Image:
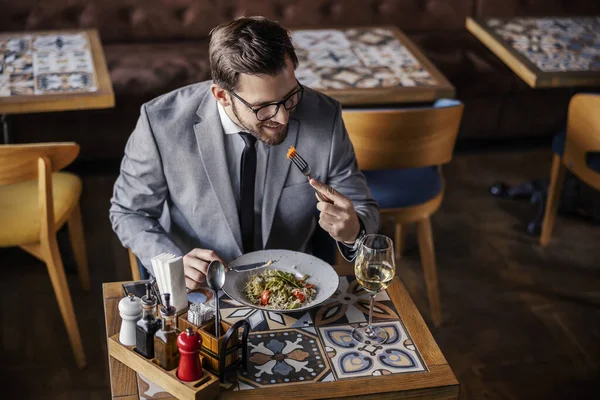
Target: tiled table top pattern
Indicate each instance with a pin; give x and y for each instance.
(315, 346)
(39, 64)
(356, 58)
(553, 44)
(350, 358)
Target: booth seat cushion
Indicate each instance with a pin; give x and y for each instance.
(150, 69)
(404, 187)
(20, 211)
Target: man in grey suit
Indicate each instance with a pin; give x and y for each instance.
(205, 173)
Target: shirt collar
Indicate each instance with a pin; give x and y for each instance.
(229, 127)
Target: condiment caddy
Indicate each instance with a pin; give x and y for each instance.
(184, 359)
(155, 352)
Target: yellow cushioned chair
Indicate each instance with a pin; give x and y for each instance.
(35, 201)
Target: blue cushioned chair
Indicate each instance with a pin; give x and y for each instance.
(401, 152)
(578, 150)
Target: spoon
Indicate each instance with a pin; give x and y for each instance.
(215, 277)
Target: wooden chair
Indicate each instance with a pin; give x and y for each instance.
(135, 267)
(400, 152)
(33, 210)
(581, 142)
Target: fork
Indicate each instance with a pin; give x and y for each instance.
(305, 169)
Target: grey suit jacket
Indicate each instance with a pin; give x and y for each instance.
(174, 192)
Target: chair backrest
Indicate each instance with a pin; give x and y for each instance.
(403, 138)
(583, 136)
(20, 162)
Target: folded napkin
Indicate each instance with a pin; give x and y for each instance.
(170, 277)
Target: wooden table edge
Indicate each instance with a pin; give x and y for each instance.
(101, 67)
(388, 97)
(495, 46)
(441, 377)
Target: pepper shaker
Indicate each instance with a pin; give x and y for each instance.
(130, 309)
(189, 344)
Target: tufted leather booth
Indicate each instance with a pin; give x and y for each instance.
(153, 46)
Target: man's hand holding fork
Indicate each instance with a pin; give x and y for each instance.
(337, 217)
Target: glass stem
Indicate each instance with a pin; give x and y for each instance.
(370, 331)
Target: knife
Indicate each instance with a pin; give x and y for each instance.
(248, 267)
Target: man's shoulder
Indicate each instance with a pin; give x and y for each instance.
(182, 99)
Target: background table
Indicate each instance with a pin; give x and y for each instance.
(367, 66)
(545, 52)
(435, 380)
(45, 71)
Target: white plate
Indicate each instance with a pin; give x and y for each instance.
(322, 275)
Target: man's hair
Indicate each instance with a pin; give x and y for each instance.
(248, 45)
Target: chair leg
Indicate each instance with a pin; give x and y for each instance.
(135, 268)
(429, 269)
(398, 241)
(557, 176)
(78, 244)
(61, 290)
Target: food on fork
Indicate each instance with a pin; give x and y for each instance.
(291, 152)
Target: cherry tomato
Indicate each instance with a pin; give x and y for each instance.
(299, 295)
(309, 285)
(264, 297)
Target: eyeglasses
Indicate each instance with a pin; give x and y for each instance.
(268, 111)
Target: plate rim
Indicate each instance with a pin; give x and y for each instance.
(304, 308)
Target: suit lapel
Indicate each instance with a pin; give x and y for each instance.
(278, 167)
(211, 142)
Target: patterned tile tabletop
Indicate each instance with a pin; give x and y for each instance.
(356, 58)
(314, 346)
(553, 44)
(39, 64)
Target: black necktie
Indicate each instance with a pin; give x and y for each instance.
(248, 174)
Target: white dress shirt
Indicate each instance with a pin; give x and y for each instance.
(234, 146)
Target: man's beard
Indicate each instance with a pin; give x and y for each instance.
(269, 139)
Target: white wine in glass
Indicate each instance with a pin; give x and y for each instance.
(374, 277)
(374, 269)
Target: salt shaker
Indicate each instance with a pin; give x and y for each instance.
(189, 343)
(130, 308)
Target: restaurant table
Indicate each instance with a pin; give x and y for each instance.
(366, 66)
(321, 360)
(59, 70)
(544, 52)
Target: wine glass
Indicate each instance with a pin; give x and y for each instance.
(374, 269)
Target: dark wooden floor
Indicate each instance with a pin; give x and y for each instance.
(521, 322)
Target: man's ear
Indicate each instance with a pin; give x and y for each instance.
(220, 94)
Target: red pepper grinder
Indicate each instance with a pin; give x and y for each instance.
(189, 343)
